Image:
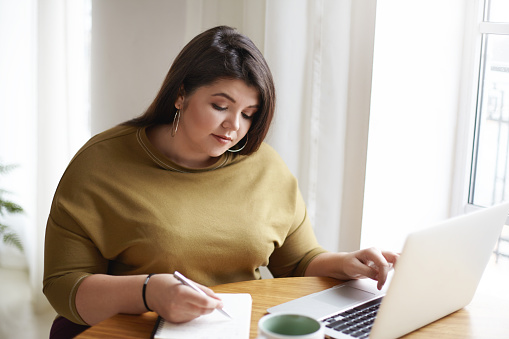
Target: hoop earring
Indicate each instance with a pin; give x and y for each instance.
(240, 149)
(175, 126)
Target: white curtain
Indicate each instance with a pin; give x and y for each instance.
(320, 53)
(44, 114)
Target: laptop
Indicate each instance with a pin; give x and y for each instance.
(437, 273)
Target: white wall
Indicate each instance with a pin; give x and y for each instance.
(126, 73)
(414, 111)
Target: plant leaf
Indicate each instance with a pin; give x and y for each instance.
(13, 239)
(10, 207)
(9, 237)
(7, 168)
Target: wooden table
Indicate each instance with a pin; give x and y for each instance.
(477, 320)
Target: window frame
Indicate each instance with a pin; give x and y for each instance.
(467, 107)
(468, 118)
(485, 29)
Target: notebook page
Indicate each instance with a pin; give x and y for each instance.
(215, 324)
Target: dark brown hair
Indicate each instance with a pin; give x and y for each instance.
(218, 53)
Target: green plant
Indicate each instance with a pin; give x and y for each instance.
(7, 207)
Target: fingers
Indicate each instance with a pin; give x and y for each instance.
(196, 304)
(209, 292)
(209, 302)
(178, 303)
(375, 264)
(380, 265)
(189, 304)
(391, 257)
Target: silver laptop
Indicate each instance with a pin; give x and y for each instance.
(437, 273)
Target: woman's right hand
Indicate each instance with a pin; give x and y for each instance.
(176, 302)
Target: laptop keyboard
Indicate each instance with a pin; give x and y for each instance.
(356, 322)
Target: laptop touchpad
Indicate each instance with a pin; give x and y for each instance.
(343, 296)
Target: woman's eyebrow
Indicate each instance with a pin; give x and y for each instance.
(224, 95)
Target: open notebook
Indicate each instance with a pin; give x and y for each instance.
(215, 324)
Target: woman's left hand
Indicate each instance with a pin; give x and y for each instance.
(370, 263)
(367, 263)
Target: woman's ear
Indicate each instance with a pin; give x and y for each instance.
(179, 103)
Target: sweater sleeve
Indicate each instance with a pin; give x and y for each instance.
(69, 257)
(298, 249)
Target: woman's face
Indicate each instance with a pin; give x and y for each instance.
(215, 118)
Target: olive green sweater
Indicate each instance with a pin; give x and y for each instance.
(123, 208)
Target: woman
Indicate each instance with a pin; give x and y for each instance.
(187, 186)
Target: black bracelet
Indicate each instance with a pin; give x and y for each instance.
(144, 290)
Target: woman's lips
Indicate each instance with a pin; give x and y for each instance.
(223, 139)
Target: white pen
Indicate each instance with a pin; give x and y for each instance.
(189, 283)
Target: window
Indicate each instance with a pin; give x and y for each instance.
(489, 178)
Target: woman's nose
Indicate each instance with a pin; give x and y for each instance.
(232, 121)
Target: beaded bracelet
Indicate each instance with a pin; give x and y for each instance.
(144, 290)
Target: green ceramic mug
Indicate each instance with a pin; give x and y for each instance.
(286, 326)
